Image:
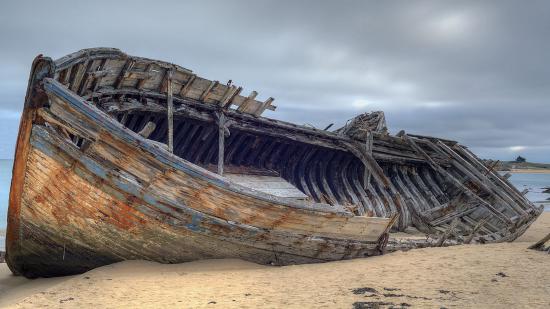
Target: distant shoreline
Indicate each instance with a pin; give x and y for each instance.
(528, 171)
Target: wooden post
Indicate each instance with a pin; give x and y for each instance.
(221, 140)
(170, 110)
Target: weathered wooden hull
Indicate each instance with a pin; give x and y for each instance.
(117, 197)
(88, 190)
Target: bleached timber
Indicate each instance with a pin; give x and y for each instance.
(120, 157)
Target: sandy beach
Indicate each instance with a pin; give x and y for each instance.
(529, 171)
(490, 276)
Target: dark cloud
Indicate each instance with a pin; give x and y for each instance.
(474, 71)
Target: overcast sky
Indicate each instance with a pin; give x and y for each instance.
(474, 71)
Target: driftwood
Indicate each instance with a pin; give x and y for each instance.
(540, 245)
(447, 233)
(476, 228)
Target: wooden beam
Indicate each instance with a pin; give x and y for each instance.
(249, 100)
(229, 100)
(263, 107)
(187, 87)
(207, 92)
(170, 109)
(122, 75)
(539, 245)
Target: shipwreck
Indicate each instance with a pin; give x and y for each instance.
(121, 157)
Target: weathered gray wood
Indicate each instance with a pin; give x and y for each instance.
(476, 228)
(458, 183)
(539, 245)
(269, 184)
(447, 233)
(148, 129)
(263, 107)
(244, 107)
(221, 142)
(187, 86)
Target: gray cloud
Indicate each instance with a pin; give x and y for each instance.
(470, 70)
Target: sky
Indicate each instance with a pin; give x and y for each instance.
(473, 71)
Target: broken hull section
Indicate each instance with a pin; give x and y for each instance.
(110, 198)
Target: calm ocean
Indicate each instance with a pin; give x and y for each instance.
(533, 182)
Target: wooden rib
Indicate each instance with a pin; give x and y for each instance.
(365, 207)
(322, 177)
(181, 135)
(82, 68)
(459, 184)
(258, 148)
(204, 96)
(425, 190)
(98, 79)
(312, 180)
(234, 147)
(142, 82)
(201, 144)
(266, 153)
(348, 190)
(191, 131)
(510, 189)
(426, 175)
(302, 175)
(261, 108)
(244, 149)
(405, 213)
(122, 75)
(229, 100)
(92, 66)
(249, 100)
(334, 173)
(67, 77)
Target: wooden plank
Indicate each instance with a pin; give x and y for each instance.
(207, 92)
(185, 89)
(263, 107)
(122, 75)
(244, 107)
(268, 184)
(229, 99)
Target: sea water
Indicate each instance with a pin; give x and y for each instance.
(535, 183)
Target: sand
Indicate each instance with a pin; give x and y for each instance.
(530, 171)
(484, 276)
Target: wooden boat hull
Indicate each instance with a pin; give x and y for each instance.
(117, 197)
(90, 188)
